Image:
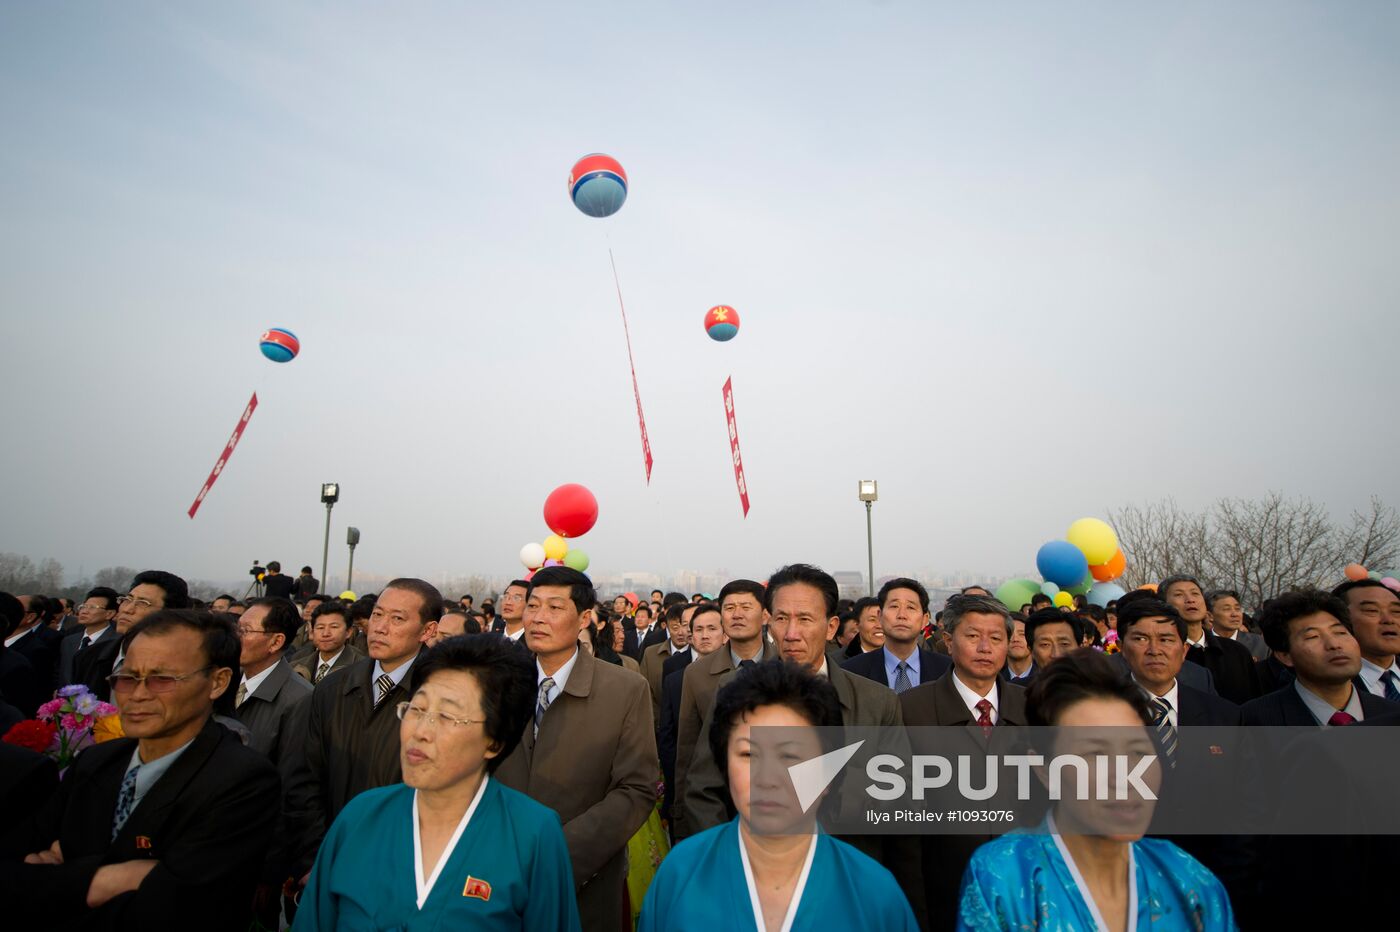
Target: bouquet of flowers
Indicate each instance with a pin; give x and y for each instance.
(1110, 642)
(73, 720)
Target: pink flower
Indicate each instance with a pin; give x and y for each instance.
(49, 709)
(69, 723)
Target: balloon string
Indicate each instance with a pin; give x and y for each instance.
(636, 392)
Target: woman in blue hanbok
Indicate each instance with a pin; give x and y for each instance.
(1089, 866)
(770, 869)
(449, 848)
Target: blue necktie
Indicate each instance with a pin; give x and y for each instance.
(1391, 692)
(126, 801)
(901, 677)
(542, 705)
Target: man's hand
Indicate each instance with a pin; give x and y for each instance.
(52, 856)
(112, 880)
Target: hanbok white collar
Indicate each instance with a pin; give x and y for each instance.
(796, 900)
(425, 887)
(1084, 887)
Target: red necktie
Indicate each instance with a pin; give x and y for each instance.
(984, 717)
(1341, 718)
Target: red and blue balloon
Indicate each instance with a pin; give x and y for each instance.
(722, 323)
(280, 344)
(598, 185)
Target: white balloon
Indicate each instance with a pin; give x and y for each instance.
(532, 555)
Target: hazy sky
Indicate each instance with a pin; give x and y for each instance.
(1018, 262)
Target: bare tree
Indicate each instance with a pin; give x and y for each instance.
(115, 577)
(1373, 540)
(1160, 539)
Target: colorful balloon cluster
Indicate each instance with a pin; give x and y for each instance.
(1085, 563)
(1390, 578)
(570, 511)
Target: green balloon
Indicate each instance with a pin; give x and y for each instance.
(1084, 587)
(576, 560)
(1017, 592)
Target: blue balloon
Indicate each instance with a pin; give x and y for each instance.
(1049, 589)
(1061, 563)
(1105, 592)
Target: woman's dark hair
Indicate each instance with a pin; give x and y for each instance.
(505, 675)
(1081, 674)
(774, 682)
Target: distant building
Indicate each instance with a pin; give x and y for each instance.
(851, 585)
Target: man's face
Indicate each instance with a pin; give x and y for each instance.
(1186, 597)
(31, 613)
(800, 624)
(846, 631)
(1375, 616)
(978, 645)
(743, 616)
(643, 617)
(220, 605)
(1051, 641)
(1017, 649)
(1322, 650)
(903, 616)
(257, 643)
(141, 601)
(450, 625)
(146, 714)
(309, 609)
(396, 628)
(553, 622)
(679, 632)
(868, 627)
(1226, 615)
(620, 605)
(94, 613)
(237, 610)
(707, 633)
(330, 633)
(465, 601)
(513, 605)
(697, 598)
(1155, 651)
(656, 596)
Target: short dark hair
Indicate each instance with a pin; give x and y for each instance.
(504, 674)
(1277, 613)
(702, 608)
(1216, 594)
(1039, 598)
(514, 583)
(581, 591)
(671, 598)
(1342, 590)
(282, 618)
(1081, 674)
(773, 682)
(674, 612)
(331, 607)
(106, 593)
(219, 633)
(273, 566)
(426, 591)
(864, 602)
(231, 599)
(306, 569)
(11, 613)
(1048, 616)
(1138, 609)
(904, 582)
(644, 607)
(177, 593)
(807, 574)
(1165, 586)
(741, 586)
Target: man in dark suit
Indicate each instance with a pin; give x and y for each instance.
(20, 686)
(511, 621)
(901, 663)
(648, 631)
(1310, 633)
(27, 780)
(329, 649)
(589, 753)
(972, 694)
(1020, 665)
(1375, 620)
(676, 643)
(36, 641)
(706, 637)
(1227, 621)
(1230, 663)
(151, 591)
(164, 825)
(275, 584)
(97, 622)
(352, 726)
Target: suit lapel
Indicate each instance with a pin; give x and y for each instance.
(149, 815)
(267, 690)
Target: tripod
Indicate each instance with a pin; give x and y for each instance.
(255, 589)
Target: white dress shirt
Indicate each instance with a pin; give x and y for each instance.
(970, 697)
(251, 683)
(1170, 695)
(560, 677)
(1371, 676)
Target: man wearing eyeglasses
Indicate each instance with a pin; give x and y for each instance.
(150, 591)
(165, 828)
(97, 619)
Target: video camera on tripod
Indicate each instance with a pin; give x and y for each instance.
(255, 588)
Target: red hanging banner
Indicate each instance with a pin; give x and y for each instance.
(734, 444)
(641, 419)
(228, 451)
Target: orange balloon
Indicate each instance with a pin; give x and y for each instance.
(1112, 569)
(1355, 571)
(1150, 587)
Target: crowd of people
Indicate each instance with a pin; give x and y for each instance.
(550, 760)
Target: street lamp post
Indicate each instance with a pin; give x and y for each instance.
(869, 495)
(330, 493)
(352, 537)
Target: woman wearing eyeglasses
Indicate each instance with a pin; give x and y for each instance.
(449, 847)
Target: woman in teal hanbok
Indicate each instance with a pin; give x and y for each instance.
(770, 869)
(1088, 867)
(449, 848)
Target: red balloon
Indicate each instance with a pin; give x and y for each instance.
(571, 510)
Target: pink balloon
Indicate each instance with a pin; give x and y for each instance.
(1390, 582)
(553, 562)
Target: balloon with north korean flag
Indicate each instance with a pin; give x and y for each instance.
(722, 323)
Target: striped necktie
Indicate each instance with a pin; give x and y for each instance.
(241, 694)
(901, 677)
(126, 801)
(383, 685)
(1166, 732)
(1388, 680)
(321, 671)
(546, 685)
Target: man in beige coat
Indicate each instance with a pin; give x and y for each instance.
(590, 753)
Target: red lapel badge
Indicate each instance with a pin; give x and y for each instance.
(479, 889)
(1217, 750)
(143, 842)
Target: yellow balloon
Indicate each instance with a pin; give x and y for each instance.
(1064, 599)
(1095, 538)
(555, 547)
